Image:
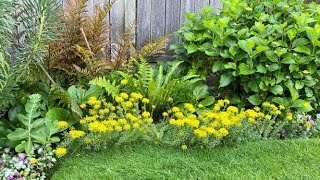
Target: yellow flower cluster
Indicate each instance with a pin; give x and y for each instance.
(127, 113)
(74, 134)
(62, 124)
(218, 122)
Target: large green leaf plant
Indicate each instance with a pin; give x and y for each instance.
(258, 50)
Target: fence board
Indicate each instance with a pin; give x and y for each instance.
(143, 22)
(217, 5)
(158, 18)
(199, 4)
(117, 19)
(186, 6)
(172, 15)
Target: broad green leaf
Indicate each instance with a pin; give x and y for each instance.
(244, 69)
(272, 56)
(300, 42)
(192, 48)
(217, 66)
(225, 80)
(247, 45)
(18, 134)
(230, 65)
(253, 85)
(273, 67)
(200, 92)
(208, 101)
(299, 85)
(60, 114)
(255, 100)
(261, 69)
(189, 36)
(303, 49)
(277, 90)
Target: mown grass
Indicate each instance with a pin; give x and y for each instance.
(294, 159)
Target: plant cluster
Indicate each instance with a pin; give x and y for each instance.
(22, 166)
(259, 50)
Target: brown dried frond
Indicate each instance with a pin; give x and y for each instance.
(96, 27)
(153, 48)
(93, 66)
(124, 48)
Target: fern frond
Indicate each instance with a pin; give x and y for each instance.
(145, 73)
(110, 87)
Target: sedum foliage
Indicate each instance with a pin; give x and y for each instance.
(259, 50)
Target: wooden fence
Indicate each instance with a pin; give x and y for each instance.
(153, 18)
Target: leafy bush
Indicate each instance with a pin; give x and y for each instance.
(260, 50)
(32, 125)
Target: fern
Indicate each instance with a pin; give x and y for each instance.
(145, 73)
(110, 87)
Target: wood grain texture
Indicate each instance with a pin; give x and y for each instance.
(186, 6)
(117, 19)
(143, 22)
(158, 18)
(172, 16)
(199, 4)
(217, 5)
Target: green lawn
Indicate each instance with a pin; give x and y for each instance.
(294, 159)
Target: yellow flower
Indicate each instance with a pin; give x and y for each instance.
(136, 125)
(76, 134)
(145, 101)
(267, 117)
(126, 127)
(124, 82)
(181, 133)
(119, 99)
(172, 121)
(223, 132)
(62, 124)
(249, 9)
(306, 105)
(233, 109)
(153, 106)
(145, 114)
(118, 128)
(124, 95)
(61, 151)
(200, 106)
(216, 108)
(136, 95)
(165, 114)
(226, 101)
(281, 107)
(257, 109)
(200, 133)
(149, 120)
(25, 173)
(83, 106)
(97, 106)
(33, 161)
(179, 114)
(184, 147)
(92, 100)
(308, 124)
(128, 104)
(175, 109)
(289, 116)
(170, 99)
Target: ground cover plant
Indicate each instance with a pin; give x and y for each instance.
(66, 89)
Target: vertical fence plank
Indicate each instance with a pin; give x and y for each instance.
(117, 18)
(217, 5)
(130, 15)
(172, 16)
(158, 18)
(143, 21)
(199, 4)
(186, 6)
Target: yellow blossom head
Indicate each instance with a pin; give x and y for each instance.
(184, 147)
(124, 82)
(62, 124)
(145, 101)
(61, 151)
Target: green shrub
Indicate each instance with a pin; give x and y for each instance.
(260, 50)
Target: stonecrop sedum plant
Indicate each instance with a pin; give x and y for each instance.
(120, 121)
(190, 125)
(260, 51)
